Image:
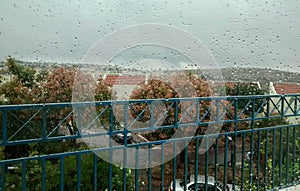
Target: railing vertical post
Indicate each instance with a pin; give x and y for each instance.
(162, 170)
(198, 111)
(196, 160)
(24, 162)
(273, 158)
(4, 126)
(225, 161)
(296, 106)
(252, 141)
(78, 171)
(43, 174)
(152, 115)
(95, 167)
(297, 158)
(235, 139)
(280, 156)
(150, 168)
(176, 113)
(258, 160)
(298, 182)
(111, 126)
(185, 164)
(294, 152)
(174, 165)
(78, 156)
(216, 158)
(268, 107)
(79, 121)
(3, 174)
(136, 174)
(44, 126)
(125, 145)
(287, 161)
(62, 172)
(282, 105)
(266, 159)
(243, 160)
(206, 162)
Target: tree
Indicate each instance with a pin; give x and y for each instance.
(273, 147)
(23, 88)
(58, 85)
(245, 104)
(30, 86)
(191, 86)
(154, 89)
(23, 74)
(184, 85)
(34, 175)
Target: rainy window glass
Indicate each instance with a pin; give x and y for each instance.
(219, 76)
(231, 42)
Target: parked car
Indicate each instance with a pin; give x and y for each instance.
(120, 137)
(200, 184)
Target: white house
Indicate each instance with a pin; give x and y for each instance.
(123, 85)
(285, 89)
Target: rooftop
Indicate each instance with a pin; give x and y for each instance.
(287, 88)
(124, 80)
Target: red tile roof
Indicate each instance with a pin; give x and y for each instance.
(287, 88)
(227, 84)
(124, 80)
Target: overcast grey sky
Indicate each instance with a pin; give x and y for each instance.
(240, 33)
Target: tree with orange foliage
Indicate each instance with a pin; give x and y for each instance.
(178, 85)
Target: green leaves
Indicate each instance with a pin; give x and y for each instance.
(29, 86)
(23, 74)
(70, 170)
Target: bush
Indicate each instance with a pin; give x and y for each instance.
(52, 182)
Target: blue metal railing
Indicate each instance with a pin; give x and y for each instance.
(255, 144)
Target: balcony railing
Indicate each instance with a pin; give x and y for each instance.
(244, 142)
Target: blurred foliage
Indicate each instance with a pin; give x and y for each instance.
(70, 170)
(24, 75)
(27, 85)
(243, 89)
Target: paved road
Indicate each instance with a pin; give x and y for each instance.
(294, 188)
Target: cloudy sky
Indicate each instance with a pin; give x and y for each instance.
(239, 33)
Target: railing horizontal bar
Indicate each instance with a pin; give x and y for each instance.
(93, 103)
(77, 136)
(57, 155)
(266, 143)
